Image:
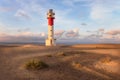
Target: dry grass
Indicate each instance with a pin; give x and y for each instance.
(107, 64)
(35, 65)
(106, 59)
(61, 54)
(77, 65)
(49, 55)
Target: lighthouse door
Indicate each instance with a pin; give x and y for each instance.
(51, 42)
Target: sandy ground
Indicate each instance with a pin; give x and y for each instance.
(81, 62)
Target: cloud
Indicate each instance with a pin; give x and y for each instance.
(3, 27)
(62, 19)
(99, 12)
(83, 24)
(102, 36)
(103, 9)
(113, 32)
(73, 33)
(28, 34)
(101, 39)
(98, 34)
(72, 2)
(70, 36)
(23, 37)
(5, 9)
(23, 30)
(32, 6)
(91, 36)
(22, 14)
(107, 37)
(42, 34)
(59, 33)
(101, 30)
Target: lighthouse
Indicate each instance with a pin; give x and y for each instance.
(50, 41)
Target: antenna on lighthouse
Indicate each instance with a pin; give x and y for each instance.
(50, 41)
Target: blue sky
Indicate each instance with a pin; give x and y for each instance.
(75, 20)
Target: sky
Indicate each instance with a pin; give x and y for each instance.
(81, 21)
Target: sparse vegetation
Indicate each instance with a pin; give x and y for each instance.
(49, 55)
(76, 65)
(63, 63)
(82, 52)
(106, 60)
(61, 54)
(35, 65)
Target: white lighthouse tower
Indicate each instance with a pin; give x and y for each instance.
(50, 41)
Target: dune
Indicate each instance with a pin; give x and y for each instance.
(107, 46)
(91, 62)
(112, 66)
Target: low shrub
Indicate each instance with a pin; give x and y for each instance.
(106, 60)
(76, 65)
(35, 65)
(49, 55)
(61, 54)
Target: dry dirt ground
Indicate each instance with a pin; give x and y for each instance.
(76, 62)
